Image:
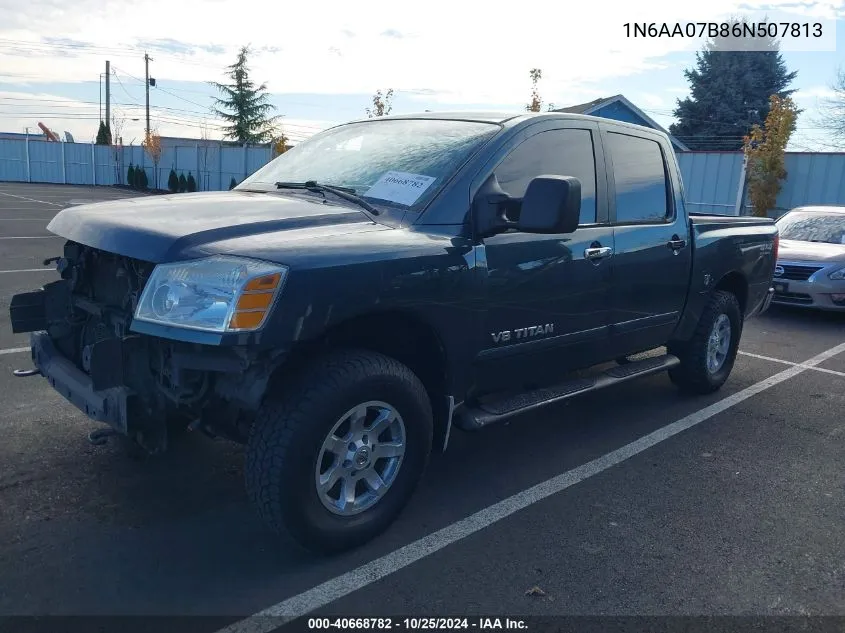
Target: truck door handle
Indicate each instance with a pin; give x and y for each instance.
(597, 253)
(676, 243)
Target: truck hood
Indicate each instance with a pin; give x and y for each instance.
(811, 251)
(161, 228)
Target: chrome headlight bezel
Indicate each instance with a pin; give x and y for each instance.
(213, 289)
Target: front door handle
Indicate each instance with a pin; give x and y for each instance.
(598, 253)
(676, 243)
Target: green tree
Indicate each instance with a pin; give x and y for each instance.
(536, 101)
(191, 183)
(245, 107)
(141, 180)
(382, 104)
(173, 181)
(730, 87)
(764, 150)
(130, 176)
(233, 183)
(104, 134)
(183, 183)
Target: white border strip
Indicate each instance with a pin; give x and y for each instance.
(14, 350)
(11, 195)
(301, 604)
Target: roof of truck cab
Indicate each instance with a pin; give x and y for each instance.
(512, 117)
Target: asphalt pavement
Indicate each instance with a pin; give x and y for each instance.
(635, 501)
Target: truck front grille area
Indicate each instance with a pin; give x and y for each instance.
(796, 298)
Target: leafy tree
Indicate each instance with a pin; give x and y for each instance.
(280, 144)
(130, 176)
(173, 181)
(764, 149)
(152, 145)
(730, 87)
(245, 107)
(191, 183)
(382, 104)
(183, 183)
(233, 183)
(833, 111)
(104, 134)
(536, 101)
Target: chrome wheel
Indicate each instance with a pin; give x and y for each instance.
(719, 343)
(360, 458)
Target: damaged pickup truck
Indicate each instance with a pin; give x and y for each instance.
(344, 307)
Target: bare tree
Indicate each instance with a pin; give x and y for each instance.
(382, 104)
(832, 111)
(536, 101)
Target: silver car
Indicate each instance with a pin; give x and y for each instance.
(810, 270)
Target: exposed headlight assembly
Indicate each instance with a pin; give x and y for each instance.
(837, 275)
(215, 294)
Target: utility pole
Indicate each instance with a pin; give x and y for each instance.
(147, 61)
(108, 96)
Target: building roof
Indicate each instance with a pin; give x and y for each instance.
(597, 104)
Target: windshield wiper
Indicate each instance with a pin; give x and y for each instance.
(347, 193)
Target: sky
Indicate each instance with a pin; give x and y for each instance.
(322, 61)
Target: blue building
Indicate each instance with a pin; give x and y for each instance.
(619, 108)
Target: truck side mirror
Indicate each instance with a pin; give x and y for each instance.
(552, 204)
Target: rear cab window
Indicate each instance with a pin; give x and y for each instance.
(641, 177)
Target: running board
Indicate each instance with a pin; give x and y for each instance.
(503, 407)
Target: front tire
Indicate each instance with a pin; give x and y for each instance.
(333, 458)
(707, 359)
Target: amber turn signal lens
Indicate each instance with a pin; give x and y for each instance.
(265, 282)
(246, 320)
(257, 301)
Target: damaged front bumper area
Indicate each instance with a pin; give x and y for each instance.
(139, 384)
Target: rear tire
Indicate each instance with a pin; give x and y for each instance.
(287, 453)
(707, 359)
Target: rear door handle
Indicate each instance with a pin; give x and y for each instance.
(598, 253)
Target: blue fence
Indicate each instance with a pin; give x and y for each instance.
(213, 166)
(711, 179)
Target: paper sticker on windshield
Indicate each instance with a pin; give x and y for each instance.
(400, 187)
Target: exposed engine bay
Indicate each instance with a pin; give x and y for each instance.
(168, 384)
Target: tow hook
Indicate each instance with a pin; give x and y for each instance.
(25, 373)
(101, 436)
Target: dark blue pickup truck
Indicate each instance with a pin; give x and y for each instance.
(346, 306)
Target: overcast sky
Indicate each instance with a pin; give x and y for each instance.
(323, 60)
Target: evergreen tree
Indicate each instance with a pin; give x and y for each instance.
(173, 181)
(183, 184)
(130, 176)
(104, 134)
(245, 107)
(730, 91)
(233, 183)
(141, 178)
(192, 184)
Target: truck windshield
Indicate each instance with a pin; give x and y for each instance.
(807, 226)
(395, 162)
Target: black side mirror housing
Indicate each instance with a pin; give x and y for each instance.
(552, 204)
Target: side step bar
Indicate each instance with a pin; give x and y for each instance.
(503, 407)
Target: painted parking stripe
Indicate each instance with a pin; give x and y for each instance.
(299, 605)
(32, 237)
(14, 350)
(29, 270)
(11, 195)
(823, 370)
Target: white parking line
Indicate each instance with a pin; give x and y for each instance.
(11, 195)
(14, 350)
(340, 586)
(29, 270)
(789, 362)
(32, 237)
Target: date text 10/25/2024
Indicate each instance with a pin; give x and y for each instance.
(417, 623)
